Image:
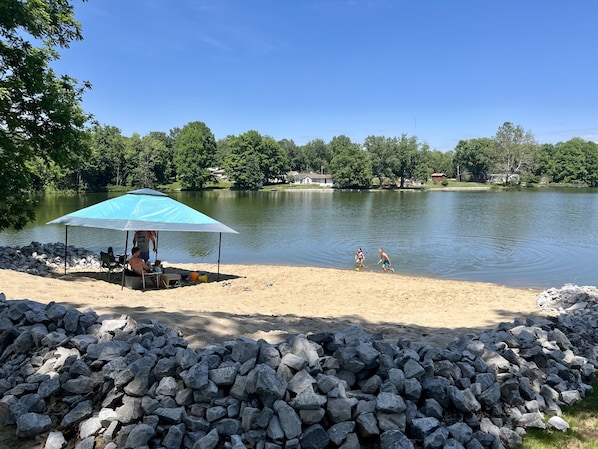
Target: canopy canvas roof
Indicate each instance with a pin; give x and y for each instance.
(143, 209)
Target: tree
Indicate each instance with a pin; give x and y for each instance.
(273, 161)
(515, 150)
(294, 154)
(473, 157)
(223, 150)
(255, 160)
(350, 165)
(40, 115)
(194, 152)
(591, 151)
(317, 156)
(382, 151)
(405, 159)
(426, 162)
(163, 157)
(569, 162)
(439, 162)
(105, 164)
(243, 162)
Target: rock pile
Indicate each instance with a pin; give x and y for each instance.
(40, 259)
(109, 382)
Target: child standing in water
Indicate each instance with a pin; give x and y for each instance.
(385, 260)
(359, 258)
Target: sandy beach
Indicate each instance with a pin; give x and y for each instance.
(271, 302)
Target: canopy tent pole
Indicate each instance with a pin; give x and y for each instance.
(66, 243)
(157, 237)
(122, 283)
(219, 244)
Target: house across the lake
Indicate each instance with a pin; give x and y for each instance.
(438, 177)
(501, 178)
(310, 178)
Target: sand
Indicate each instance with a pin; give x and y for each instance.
(272, 302)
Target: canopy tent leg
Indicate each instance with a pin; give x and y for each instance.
(219, 244)
(66, 244)
(122, 283)
(157, 241)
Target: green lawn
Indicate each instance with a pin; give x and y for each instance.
(583, 431)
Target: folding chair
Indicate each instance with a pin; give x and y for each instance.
(109, 265)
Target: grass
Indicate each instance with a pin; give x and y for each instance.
(453, 183)
(583, 431)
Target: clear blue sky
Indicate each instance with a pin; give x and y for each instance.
(442, 70)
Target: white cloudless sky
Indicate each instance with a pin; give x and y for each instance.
(441, 70)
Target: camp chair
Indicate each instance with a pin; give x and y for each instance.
(138, 281)
(109, 265)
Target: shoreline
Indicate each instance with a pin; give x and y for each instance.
(273, 302)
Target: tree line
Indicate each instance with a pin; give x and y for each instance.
(48, 142)
(185, 156)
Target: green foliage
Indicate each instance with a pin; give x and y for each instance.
(350, 166)
(194, 152)
(473, 158)
(436, 162)
(164, 168)
(407, 158)
(295, 155)
(574, 162)
(318, 156)
(583, 433)
(222, 150)
(254, 160)
(273, 161)
(382, 151)
(398, 159)
(41, 121)
(514, 150)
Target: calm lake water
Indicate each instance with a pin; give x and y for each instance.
(535, 239)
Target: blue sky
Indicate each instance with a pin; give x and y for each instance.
(441, 70)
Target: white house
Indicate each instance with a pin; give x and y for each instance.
(310, 178)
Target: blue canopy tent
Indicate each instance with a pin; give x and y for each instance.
(143, 209)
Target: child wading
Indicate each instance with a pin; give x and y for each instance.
(385, 260)
(359, 258)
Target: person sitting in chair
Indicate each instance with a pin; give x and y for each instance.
(120, 260)
(137, 264)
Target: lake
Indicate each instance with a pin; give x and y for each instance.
(531, 239)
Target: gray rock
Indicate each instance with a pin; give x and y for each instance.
(340, 409)
(30, 425)
(314, 437)
(78, 413)
(174, 437)
(89, 427)
(395, 439)
(55, 440)
(289, 421)
(223, 376)
(422, 427)
(209, 441)
(196, 377)
(391, 403)
(263, 382)
(139, 436)
(338, 432)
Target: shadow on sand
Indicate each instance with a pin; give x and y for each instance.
(117, 276)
